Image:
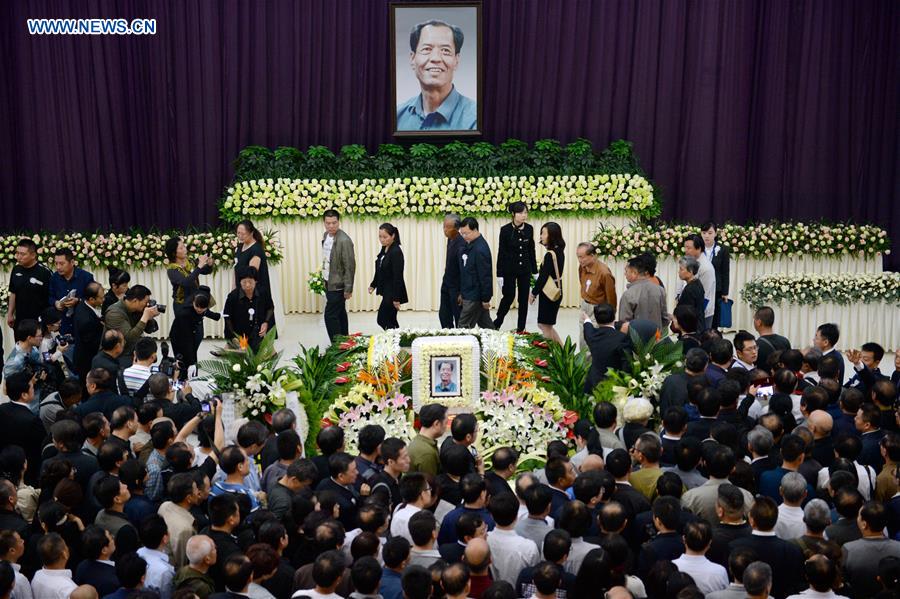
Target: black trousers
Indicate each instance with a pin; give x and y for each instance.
(336, 321)
(387, 315)
(450, 309)
(185, 343)
(521, 282)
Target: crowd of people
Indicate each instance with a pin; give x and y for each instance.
(762, 470)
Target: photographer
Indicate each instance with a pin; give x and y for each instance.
(27, 355)
(186, 333)
(163, 391)
(53, 349)
(132, 316)
(185, 278)
(248, 312)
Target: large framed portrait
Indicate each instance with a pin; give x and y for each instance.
(445, 376)
(446, 370)
(436, 68)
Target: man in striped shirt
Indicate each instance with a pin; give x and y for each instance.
(143, 366)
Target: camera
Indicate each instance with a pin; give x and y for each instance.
(66, 339)
(158, 306)
(168, 365)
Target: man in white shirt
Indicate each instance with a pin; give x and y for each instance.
(693, 247)
(12, 547)
(423, 529)
(415, 494)
(821, 574)
(142, 367)
(708, 576)
(155, 536)
(790, 515)
(53, 581)
(511, 552)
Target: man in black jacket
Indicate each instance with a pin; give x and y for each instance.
(19, 425)
(343, 471)
(88, 328)
(476, 287)
(103, 397)
(112, 344)
(785, 558)
(450, 307)
(608, 346)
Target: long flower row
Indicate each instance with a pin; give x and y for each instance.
(132, 250)
(623, 194)
(765, 240)
(815, 289)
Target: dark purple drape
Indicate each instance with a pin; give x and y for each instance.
(751, 109)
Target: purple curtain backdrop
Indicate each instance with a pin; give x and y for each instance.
(740, 110)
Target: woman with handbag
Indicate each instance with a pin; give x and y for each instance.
(388, 280)
(549, 281)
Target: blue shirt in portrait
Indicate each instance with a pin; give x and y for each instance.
(456, 113)
(441, 388)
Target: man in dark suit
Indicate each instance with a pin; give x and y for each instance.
(88, 328)
(450, 307)
(504, 468)
(560, 476)
(785, 558)
(868, 420)
(618, 463)
(10, 519)
(68, 438)
(97, 570)
(19, 425)
(667, 545)
(608, 346)
(343, 472)
(103, 397)
(112, 344)
(708, 403)
(475, 285)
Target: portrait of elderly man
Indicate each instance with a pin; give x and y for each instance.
(434, 57)
(447, 382)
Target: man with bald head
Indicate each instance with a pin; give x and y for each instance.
(820, 424)
(478, 557)
(85, 591)
(592, 462)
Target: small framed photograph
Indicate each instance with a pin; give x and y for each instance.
(436, 58)
(445, 376)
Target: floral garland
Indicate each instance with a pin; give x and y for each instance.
(133, 250)
(622, 194)
(766, 240)
(813, 289)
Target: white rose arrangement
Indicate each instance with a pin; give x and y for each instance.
(282, 198)
(812, 289)
(763, 241)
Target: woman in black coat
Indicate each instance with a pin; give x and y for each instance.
(721, 261)
(516, 262)
(388, 280)
(551, 268)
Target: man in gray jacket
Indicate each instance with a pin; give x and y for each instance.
(339, 269)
